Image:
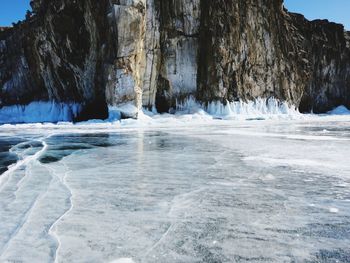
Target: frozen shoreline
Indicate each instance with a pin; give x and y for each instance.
(260, 109)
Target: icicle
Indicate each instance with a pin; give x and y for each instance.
(259, 108)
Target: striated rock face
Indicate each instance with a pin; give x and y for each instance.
(59, 54)
(125, 77)
(326, 48)
(250, 53)
(261, 50)
(153, 53)
(179, 42)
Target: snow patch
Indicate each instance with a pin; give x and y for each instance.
(123, 260)
(333, 210)
(268, 177)
(39, 111)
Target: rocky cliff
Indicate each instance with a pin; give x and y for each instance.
(153, 53)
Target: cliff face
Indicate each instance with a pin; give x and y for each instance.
(250, 53)
(154, 52)
(59, 54)
(261, 50)
(326, 49)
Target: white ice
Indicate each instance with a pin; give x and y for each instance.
(341, 110)
(39, 111)
(181, 188)
(260, 108)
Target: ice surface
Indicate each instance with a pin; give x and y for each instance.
(178, 188)
(39, 111)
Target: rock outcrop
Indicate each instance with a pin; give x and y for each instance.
(261, 50)
(325, 47)
(153, 53)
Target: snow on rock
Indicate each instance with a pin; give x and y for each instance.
(39, 111)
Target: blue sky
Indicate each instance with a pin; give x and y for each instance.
(333, 10)
(12, 11)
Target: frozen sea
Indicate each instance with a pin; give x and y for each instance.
(183, 188)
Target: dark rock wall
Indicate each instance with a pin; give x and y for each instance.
(326, 47)
(261, 50)
(249, 53)
(179, 42)
(154, 52)
(59, 54)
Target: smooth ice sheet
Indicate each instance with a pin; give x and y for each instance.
(179, 189)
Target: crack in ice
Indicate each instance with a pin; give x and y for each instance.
(172, 225)
(52, 229)
(24, 220)
(25, 161)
